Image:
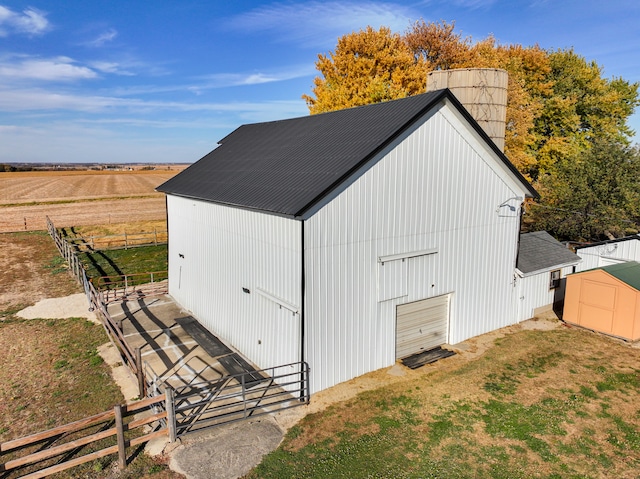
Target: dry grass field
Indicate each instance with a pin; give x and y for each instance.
(73, 198)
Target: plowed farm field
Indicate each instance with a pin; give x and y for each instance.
(74, 198)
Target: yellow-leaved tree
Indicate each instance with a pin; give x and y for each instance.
(368, 66)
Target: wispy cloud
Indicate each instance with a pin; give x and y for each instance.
(44, 69)
(104, 37)
(37, 99)
(223, 80)
(318, 23)
(30, 22)
(114, 68)
(220, 80)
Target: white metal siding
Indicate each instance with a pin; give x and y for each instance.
(604, 254)
(440, 187)
(534, 292)
(421, 325)
(392, 279)
(214, 252)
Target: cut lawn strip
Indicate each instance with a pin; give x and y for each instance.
(130, 261)
(553, 404)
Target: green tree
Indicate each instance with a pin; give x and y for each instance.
(582, 107)
(592, 194)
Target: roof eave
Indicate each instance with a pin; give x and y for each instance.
(548, 268)
(302, 213)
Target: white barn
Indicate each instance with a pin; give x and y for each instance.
(348, 239)
(541, 270)
(605, 253)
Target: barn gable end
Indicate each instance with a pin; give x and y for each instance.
(358, 213)
(435, 206)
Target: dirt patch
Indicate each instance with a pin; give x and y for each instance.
(32, 270)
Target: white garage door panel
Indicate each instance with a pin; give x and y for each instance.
(421, 325)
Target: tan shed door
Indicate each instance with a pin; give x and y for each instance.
(421, 325)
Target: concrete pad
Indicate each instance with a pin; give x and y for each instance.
(168, 351)
(74, 306)
(397, 370)
(120, 373)
(226, 452)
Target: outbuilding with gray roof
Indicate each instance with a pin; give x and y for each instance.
(542, 266)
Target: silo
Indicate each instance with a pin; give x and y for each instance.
(482, 91)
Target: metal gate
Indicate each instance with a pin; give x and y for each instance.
(235, 397)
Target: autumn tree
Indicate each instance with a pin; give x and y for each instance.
(368, 66)
(566, 128)
(438, 46)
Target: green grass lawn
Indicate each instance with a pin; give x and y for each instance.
(552, 404)
(126, 261)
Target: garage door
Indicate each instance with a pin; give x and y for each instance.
(421, 325)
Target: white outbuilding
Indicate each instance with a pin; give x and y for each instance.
(349, 239)
(541, 271)
(605, 253)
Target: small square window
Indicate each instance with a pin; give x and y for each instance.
(554, 280)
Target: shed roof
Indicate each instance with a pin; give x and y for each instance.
(539, 251)
(628, 272)
(286, 167)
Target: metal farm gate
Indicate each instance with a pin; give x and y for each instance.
(232, 398)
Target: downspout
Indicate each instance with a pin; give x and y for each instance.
(519, 233)
(302, 301)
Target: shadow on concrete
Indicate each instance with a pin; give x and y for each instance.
(167, 349)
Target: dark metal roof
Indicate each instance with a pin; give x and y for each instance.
(540, 251)
(286, 167)
(628, 272)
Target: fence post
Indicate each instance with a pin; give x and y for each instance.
(244, 396)
(171, 412)
(140, 374)
(122, 451)
(125, 240)
(155, 236)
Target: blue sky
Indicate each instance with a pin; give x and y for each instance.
(163, 81)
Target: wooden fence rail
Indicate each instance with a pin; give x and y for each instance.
(119, 241)
(105, 419)
(131, 356)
